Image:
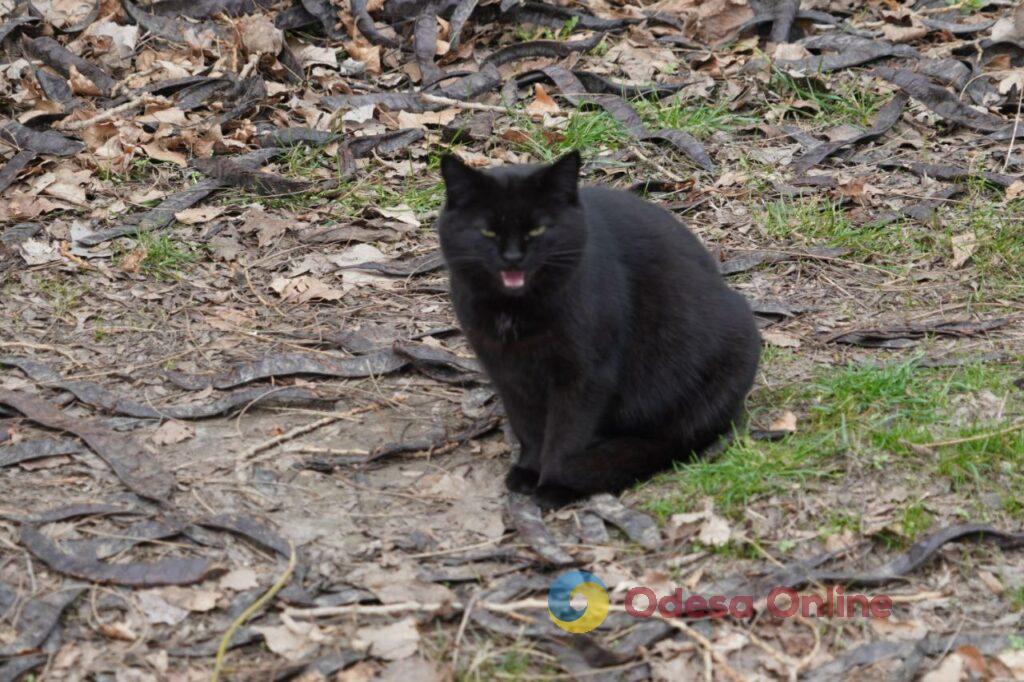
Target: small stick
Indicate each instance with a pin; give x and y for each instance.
(108, 114)
(449, 102)
(971, 439)
(1016, 125)
(245, 615)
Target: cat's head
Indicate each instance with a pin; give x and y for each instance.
(512, 229)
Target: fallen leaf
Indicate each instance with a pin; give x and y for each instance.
(119, 630)
(964, 246)
(391, 642)
(291, 643)
(172, 431)
(259, 35)
(239, 580)
(200, 215)
(993, 583)
(191, 599)
(786, 422)
(779, 339)
(157, 610)
(303, 289)
(542, 102)
(950, 670)
(715, 532)
(1016, 190)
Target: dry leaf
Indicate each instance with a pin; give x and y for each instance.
(786, 422)
(303, 289)
(542, 102)
(198, 216)
(964, 246)
(239, 580)
(1015, 190)
(259, 35)
(291, 643)
(993, 583)
(715, 532)
(157, 150)
(391, 642)
(950, 670)
(171, 432)
(132, 260)
(776, 338)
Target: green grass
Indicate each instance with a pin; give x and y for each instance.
(165, 257)
(885, 416)
(700, 121)
(61, 294)
(1016, 599)
(844, 102)
(588, 131)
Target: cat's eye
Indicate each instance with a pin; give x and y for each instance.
(488, 233)
(537, 231)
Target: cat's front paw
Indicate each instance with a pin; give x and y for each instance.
(520, 480)
(554, 496)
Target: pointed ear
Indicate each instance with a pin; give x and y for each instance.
(561, 179)
(460, 181)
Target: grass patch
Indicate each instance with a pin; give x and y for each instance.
(587, 131)
(700, 121)
(886, 416)
(845, 102)
(61, 294)
(158, 256)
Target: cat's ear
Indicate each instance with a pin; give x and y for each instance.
(562, 178)
(460, 181)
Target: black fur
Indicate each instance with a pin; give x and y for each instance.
(623, 351)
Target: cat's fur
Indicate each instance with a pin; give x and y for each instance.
(620, 351)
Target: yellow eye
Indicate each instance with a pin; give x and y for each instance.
(537, 231)
(488, 233)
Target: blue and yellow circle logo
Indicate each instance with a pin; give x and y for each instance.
(567, 586)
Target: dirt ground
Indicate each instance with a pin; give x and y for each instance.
(236, 411)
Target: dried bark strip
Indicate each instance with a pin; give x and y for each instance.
(234, 174)
(95, 395)
(39, 141)
(408, 267)
(428, 444)
(903, 336)
(121, 453)
(845, 51)
(172, 571)
(541, 48)
(38, 619)
(526, 517)
(886, 119)
(136, 534)
(72, 511)
(325, 13)
(13, 670)
(249, 528)
(163, 215)
(14, 165)
(956, 173)
(638, 527)
(60, 59)
(56, 89)
(783, 15)
(38, 449)
(757, 258)
(463, 11)
(290, 364)
(364, 22)
(171, 29)
(425, 43)
(940, 100)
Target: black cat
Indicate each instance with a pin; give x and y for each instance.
(610, 336)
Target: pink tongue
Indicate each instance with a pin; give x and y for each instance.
(513, 279)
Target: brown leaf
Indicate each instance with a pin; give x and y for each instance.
(171, 432)
(304, 289)
(964, 246)
(542, 102)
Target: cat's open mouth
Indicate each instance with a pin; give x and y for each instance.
(513, 279)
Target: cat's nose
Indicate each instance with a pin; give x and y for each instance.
(513, 255)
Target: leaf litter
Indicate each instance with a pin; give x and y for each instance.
(241, 149)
